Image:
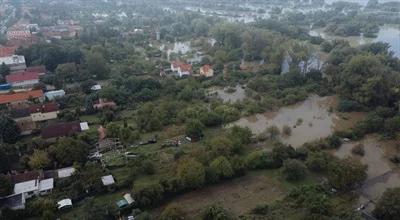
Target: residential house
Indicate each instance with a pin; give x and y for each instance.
(207, 71)
(181, 68)
(108, 180)
(65, 203)
(19, 35)
(103, 103)
(7, 51)
(38, 69)
(5, 88)
(44, 112)
(52, 95)
(23, 80)
(65, 172)
(63, 129)
(13, 202)
(15, 63)
(34, 187)
(23, 119)
(96, 87)
(26, 176)
(20, 99)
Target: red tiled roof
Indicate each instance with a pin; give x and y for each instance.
(7, 51)
(207, 68)
(38, 69)
(49, 107)
(186, 67)
(23, 177)
(183, 66)
(61, 129)
(176, 63)
(20, 96)
(22, 76)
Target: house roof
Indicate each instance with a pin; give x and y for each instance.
(38, 69)
(206, 68)
(12, 60)
(22, 76)
(61, 129)
(7, 51)
(20, 96)
(15, 201)
(182, 65)
(28, 186)
(107, 180)
(46, 108)
(23, 177)
(65, 172)
(186, 67)
(46, 184)
(64, 203)
(20, 113)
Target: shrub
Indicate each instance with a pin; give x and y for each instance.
(172, 212)
(358, 150)
(216, 212)
(294, 170)
(260, 210)
(286, 130)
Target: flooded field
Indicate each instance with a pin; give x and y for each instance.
(310, 120)
(382, 174)
(387, 33)
(232, 95)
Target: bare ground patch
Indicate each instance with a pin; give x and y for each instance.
(239, 195)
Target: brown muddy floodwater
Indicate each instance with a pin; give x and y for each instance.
(382, 174)
(318, 120)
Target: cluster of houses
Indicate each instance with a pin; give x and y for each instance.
(32, 183)
(183, 69)
(41, 183)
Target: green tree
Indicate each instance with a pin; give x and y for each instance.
(216, 212)
(388, 207)
(172, 212)
(222, 168)
(191, 173)
(39, 160)
(9, 131)
(194, 129)
(347, 173)
(319, 161)
(97, 65)
(294, 170)
(5, 186)
(148, 194)
(4, 71)
(113, 130)
(67, 72)
(273, 132)
(68, 150)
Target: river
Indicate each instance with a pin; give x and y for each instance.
(387, 33)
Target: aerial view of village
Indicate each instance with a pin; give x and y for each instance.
(203, 110)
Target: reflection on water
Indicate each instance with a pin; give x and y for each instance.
(317, 120)
(381, 172)
(388, 34)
